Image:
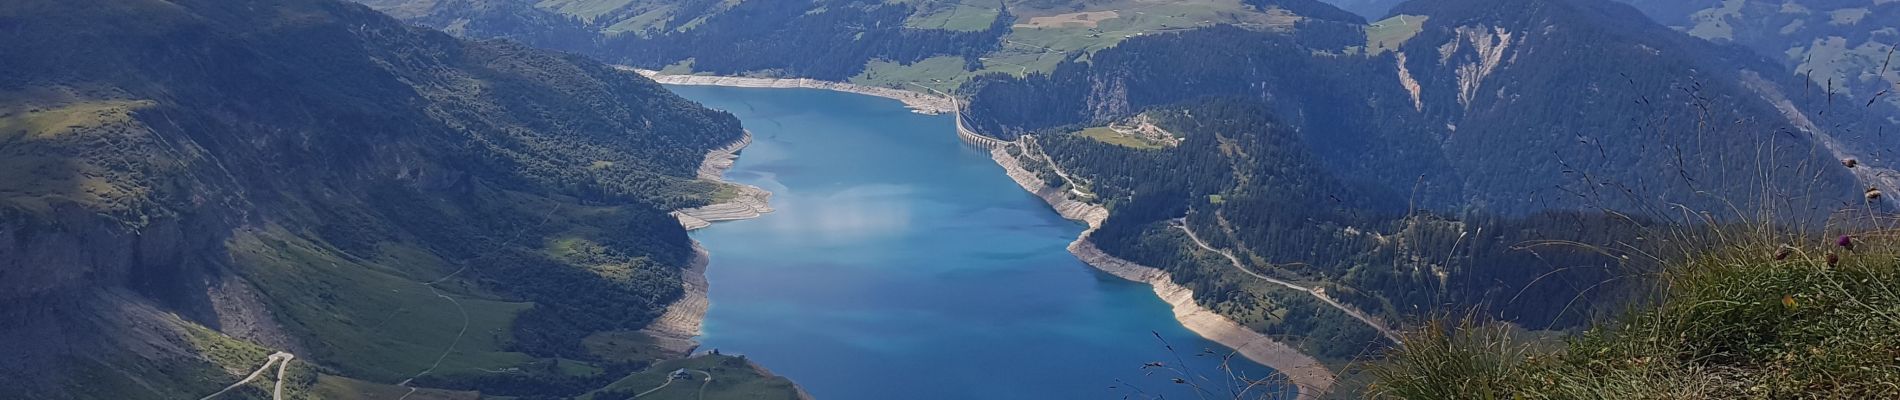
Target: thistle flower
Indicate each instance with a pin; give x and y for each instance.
(1783, 252)
(1846, 242)
(1850, 163)
(1833, 259)
(1873, 193)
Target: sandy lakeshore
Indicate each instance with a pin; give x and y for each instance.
(1312, 377)
(916, 101)
(748, 201)
(675, 329)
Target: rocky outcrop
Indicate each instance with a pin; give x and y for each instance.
(750, 202)
(1488, 48)
(747, 201)
(1411, 84)
(242, 313)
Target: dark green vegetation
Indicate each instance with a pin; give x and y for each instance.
(718, 36)
(188, 186)
(782, 36)
(1731, 323)
(895, 43)
(1474, 164)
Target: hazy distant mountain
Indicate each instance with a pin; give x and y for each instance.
(1843, 45)
(189, 185)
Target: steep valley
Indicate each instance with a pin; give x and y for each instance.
(188, 187)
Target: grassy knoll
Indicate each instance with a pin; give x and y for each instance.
(733, 378)
(956, 15)
(1042, 38)
(38, 166)
(25, 121)
(1733, 323)
(1391, 33)
(368, 320)
(1107, 135)
(942, 73)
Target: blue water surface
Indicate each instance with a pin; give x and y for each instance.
(901, 264)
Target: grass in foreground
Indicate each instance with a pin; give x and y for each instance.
(1821, 323)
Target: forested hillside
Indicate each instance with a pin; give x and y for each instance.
(188, 186)
(937, 44)
(1476, 165)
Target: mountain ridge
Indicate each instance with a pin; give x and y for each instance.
(191, 185)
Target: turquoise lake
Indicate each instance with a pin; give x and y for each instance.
(902, 264)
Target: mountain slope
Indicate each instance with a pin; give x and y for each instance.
(189, 183)
(1440, 174)
(1840, 46)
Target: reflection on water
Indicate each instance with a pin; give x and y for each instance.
(852, 214)
(902, 265)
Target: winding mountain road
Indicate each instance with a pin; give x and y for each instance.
(282, 360)
(458, 306)
(1181, 223)
(669, 381)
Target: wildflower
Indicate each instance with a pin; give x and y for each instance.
(1833, 259)
(1846, 242)
(1850, 163)
(1783, 252)
(1873, 193)
(1788, 301)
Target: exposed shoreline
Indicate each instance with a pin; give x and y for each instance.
(676, 328)
(681, 322)
(1311, 377)
(916, 101)
(747, 202)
